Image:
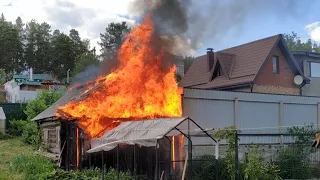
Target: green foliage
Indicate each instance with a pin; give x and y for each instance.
(3, 97)
(11, 47)
(42, 102)
(291, 164)
(295, 44)
(34, 167)
(83, 62)
(228, 134)
(204, 167)
(292, 161)
(85, 174)
(2, 76)
(5, 136)
(32, 134)
(37, 167)
(64, 54)
(112, 39)
(16, 127)
(256, 169)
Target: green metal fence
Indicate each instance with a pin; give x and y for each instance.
(13, 111)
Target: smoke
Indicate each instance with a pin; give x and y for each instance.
(89, 74)
(194, 21)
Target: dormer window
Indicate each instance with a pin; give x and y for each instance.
(217, 71)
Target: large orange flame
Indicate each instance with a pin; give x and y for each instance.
(139, 87)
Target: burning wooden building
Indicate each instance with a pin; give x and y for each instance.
(142, 86)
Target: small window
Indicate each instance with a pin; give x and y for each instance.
(314, 69)
(275, 64)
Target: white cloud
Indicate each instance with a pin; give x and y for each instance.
(89, 17)
(314, 31)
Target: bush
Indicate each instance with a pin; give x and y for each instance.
(42, 102)
(256, 169)
(205, 167)
(16, 127)
(292, 166)
(32, 134)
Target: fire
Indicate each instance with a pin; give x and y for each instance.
(140, 87)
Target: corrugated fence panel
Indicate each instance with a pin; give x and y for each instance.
(245, 96)
(209, 113)
(13, 111)
(258, 114)
(299, 114)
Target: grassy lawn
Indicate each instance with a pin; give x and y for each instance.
(8, 149)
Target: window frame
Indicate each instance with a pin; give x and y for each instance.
(310, 69)
(277, 71)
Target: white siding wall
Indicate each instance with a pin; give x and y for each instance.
(15, 95)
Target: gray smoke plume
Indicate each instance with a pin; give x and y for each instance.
(89, 74)
(194, 20)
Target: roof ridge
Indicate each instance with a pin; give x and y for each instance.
(258, 40)
(255, 41)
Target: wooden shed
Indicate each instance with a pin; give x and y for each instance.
(65, 142)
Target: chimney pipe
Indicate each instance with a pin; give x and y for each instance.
(210, 58)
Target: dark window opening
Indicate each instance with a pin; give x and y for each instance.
(275, 64)
(217, 71)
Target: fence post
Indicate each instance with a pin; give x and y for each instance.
(281, 120)
(318, 116)
(237, 173)
(217, 159)
(235, 112)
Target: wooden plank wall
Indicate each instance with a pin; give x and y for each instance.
(51, 135)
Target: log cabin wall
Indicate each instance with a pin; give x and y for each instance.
(51, 136)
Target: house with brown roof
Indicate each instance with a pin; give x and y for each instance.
(261, 66)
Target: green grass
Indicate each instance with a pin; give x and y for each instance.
(9, 149)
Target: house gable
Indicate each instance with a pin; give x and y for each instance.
(281, 82)
(241, 65)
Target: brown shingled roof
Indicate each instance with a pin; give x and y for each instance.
(242, 64)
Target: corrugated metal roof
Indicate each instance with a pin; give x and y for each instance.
(2, 115)
(30, 83)
(76, 93)
(34, 76)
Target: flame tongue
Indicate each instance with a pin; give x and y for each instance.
(139, 88)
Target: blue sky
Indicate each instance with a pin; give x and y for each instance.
(260, 27)
(90, 18)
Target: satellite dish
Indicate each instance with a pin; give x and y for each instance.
(298, 80)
